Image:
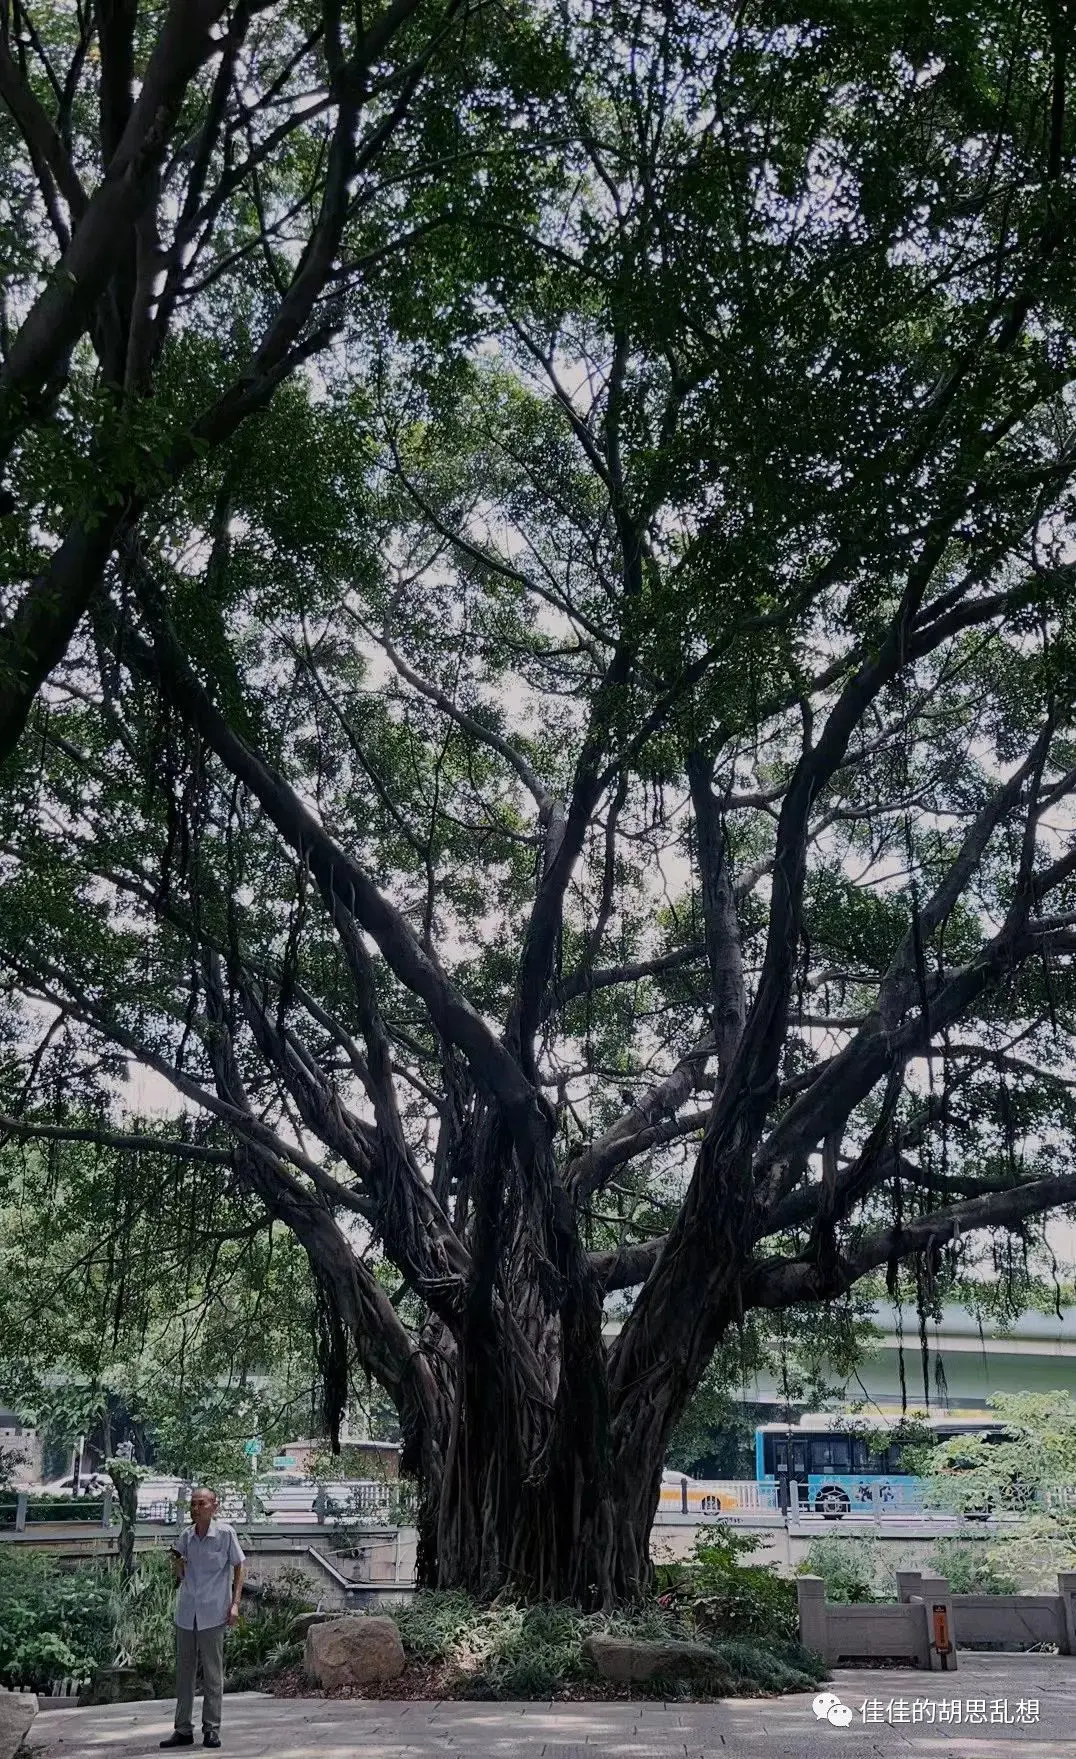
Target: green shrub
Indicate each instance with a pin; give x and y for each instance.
(142, 1614)
(509, 1651)
(433, 1622)
(727, 1598)
(252, 1677)
(259, 1644)
(720, 1548)
(671, 1579)
(54, 1623)
(772, 1667)
(750, 1601)
(849, 1568)
(971, 1568)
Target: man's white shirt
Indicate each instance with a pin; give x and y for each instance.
(205, 1593)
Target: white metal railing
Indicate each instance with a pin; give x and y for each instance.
(881, 1500)
(348, 1499)
(761, 1498)
(718, 1497)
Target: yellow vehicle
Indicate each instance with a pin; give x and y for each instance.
(681, 1495)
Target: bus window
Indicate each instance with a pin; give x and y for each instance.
(861, 1458)
(831, 1453)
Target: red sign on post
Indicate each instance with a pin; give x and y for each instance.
(942, 1642)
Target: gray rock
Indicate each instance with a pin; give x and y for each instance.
(116, 1685)
(624, 1660)
(303, 1621)
(354, 1651)
(17, 1712)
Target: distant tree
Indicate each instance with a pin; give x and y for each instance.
(1028, 1470)
(148, 1301)
(126, 1477)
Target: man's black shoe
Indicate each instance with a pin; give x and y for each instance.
(178, 1740)
(211, 1738)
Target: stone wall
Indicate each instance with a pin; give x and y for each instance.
(918, 1631)
(1008, 1622)
(275, 1566)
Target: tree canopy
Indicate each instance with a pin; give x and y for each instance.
(579, 790)
(149, 1300)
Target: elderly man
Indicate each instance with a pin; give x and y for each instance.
(207, 1561)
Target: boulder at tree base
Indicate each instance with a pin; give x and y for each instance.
(17, 1712)
(354, 1651)
(303, 1622)
(622, 1660)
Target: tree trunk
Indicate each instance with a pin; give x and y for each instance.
(538, 1459)
(547, 1518)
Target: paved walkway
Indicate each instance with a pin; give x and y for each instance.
(902, 1714)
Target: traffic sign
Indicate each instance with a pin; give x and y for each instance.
(252, 1448)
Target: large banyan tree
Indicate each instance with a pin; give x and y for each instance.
(575, 795)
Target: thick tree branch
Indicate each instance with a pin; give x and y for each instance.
(64, 310)
(723, 950)
(582, 982)
(785, 1282)
(588, 1171)
(342, 882)
(36, 128)
(124, 1142)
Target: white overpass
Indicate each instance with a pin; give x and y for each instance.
(966, 1363)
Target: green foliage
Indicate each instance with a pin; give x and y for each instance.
(259, 1645)
(54, 1624)
(1030, 1473)
(727, 1598)
(509, 1651)
(850, 1568)
(142, 1614)
(432, 1623)
(971, 1567)
(771, 1666)
(191, 1326)
(750, 1600)
(1035, 1455)
(720, 1546)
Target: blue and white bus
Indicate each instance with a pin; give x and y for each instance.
(844, 1462)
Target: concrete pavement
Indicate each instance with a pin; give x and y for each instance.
(896, 1714)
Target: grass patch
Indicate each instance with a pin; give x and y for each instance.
(511, 1651)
